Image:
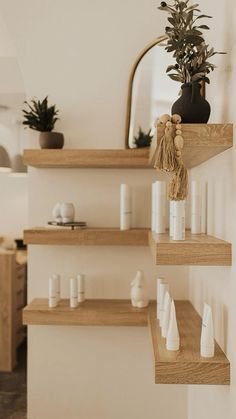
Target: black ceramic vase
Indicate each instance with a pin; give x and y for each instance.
(192, 106)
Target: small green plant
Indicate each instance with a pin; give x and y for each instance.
(186, 42)
(143, 139)
(39, 116)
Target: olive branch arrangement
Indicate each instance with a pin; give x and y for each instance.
(186, 42)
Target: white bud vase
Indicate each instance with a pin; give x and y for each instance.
(67, 212)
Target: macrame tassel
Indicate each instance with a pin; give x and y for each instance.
(179, 184)
(166, 156)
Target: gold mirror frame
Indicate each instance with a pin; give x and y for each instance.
(130, 85)
(131, 79)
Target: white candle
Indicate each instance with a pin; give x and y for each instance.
(210, 207)
(153, 207)
(163, 287)
(81, 288)
(166, 315)
(171, 221)
(179, 220)
(207, 335)
(58, 286)
(204, 208)
(159, 281)
(195, 207)
(125, 207)
(52, 291)
(160, 207)
(172, 338)
(73, 293)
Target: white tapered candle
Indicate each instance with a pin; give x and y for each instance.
(52, 292)
(163, 287)
(81, 288)
(160, 207)
(204, 207)
(166, 315)
(195, 207)
(73, 293)
(207, 336)
(159, 281)
(172, 338)
(58, 286)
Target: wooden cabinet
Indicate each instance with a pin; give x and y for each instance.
(13, 284)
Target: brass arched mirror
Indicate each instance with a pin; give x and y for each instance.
(151, 92)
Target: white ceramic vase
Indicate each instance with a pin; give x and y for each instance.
(56, 212)
(67, 212)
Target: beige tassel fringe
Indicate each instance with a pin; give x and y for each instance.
(179, 184)
(165, 158)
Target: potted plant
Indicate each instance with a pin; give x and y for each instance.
(143, 138)
(41, 117)
(191, 54)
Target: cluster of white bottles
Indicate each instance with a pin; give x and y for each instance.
(77, 291)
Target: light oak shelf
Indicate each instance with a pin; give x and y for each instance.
(197, 249)
(87, 236)
(93, 158)
(89, 313)
(201, 142)
(186, 366)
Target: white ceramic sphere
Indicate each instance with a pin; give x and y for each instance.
(67, 211)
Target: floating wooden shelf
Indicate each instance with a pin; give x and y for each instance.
(201, 142)
(186, 366)
(87, 236)
(197, 249)
(89, 313)
(81, 158)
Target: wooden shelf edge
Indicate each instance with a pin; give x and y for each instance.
(88, 158)
(201, 142)
(89, 313)
(87, 236)
(186, 366)
(196, 250)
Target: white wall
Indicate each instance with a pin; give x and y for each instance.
(81, 53)
(217, 285)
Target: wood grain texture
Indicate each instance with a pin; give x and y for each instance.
(197, 249)
(93, 158)
(87, 236)
(186, 366)
(201, 142)
(7, 311)
(89, 313)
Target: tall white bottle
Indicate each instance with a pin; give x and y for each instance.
(166, 315)
(159, 281)
(196, 207)
(204, 207)
(125, 207)
(172, 338)
(52, 292)
(207, 335)
(73, 293)
(81, 288)
(179, 220)
(171, 219)
(57, 279)
(160, 207)
(164, 286)
(153, 207)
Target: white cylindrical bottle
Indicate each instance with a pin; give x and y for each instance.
(195, 207)
(166, 315)
(159, 281)
(164, 286)
(154, 207)
(204, 207)
(172, 338)
(160, 207)
(58, 286)
(125, 207)
(207, 335)
(179, 220)
(73, 293)
(52, 292)
(81, 288)
(171, 221)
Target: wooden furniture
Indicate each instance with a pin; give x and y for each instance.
(181, 367)
(13, 271)
(197, 249)
(201, 142)
(81, 158)
(87, 236)
(186, 366)
(89, 313)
